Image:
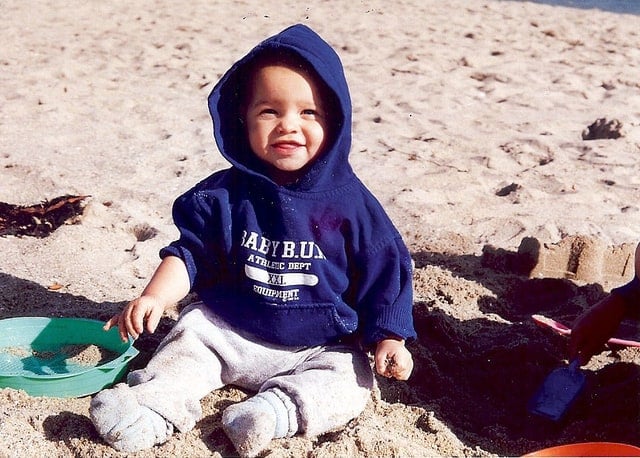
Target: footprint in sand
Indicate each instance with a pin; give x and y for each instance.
(528, 153)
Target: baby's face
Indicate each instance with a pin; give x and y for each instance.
(286, 121)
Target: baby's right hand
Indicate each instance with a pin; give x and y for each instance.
(131, 321)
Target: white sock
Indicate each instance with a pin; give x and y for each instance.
(253, 423)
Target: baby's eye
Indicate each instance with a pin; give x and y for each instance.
(310, 112)
(267, 113)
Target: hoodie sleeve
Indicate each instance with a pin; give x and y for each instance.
(198, 218)
(385, 301)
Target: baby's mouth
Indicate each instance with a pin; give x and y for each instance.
(286, 146)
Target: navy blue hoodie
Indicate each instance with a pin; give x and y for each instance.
(303, 264)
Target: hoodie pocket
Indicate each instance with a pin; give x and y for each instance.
(308, 325)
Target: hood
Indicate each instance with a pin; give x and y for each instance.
(331, 168)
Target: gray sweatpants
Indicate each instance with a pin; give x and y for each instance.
(329, 385)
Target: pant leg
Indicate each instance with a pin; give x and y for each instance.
(329, 388)
(203, 353)
(181, 372)
(328, 385)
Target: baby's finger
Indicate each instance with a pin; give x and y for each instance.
(115, 321)
(390, 367)
(129, 326)
(402, 373)
(153, 320)
(385, 365)
(403, 367)
(138, 317)
(111, 322)
(122, 328)
(381, 368)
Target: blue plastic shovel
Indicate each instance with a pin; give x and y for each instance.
(558, 391)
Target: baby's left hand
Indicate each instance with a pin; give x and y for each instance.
(393, 359)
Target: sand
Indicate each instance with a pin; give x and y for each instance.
(469, 124)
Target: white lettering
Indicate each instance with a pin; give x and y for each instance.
(288, 295)
(251, 242)
(263, 262)
(288, 249)
(275, 279)
(264, 245)
(274, 244)
(298, 265)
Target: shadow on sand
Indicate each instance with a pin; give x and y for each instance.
(477, 374)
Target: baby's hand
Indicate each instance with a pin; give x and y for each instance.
(594, 327)
(145, 309)
(393, 359)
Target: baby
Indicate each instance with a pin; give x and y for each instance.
(299, 270)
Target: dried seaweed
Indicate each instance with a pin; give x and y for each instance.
(603, 129)
(41, 219)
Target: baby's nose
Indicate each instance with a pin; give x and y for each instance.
(288, 123)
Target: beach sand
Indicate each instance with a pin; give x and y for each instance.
(468, 126)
